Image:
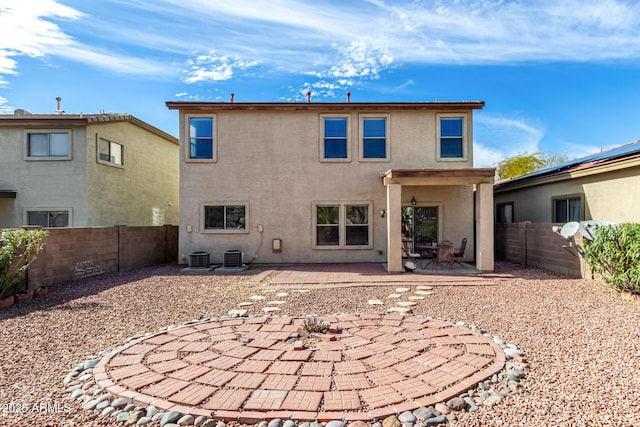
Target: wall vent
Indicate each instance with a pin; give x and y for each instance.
(199, 259)
(232, 259)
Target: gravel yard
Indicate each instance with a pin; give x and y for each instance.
(581, 339)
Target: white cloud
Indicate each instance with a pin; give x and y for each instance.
(485, 157)
(5, 108)
(348, 45)
(506, 136)
(25, 30)
(212, 67)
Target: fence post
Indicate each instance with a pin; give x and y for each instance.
(121, 245)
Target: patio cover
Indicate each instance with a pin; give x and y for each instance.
(482, 178)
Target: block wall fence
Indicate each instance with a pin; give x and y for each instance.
(75, 253)
(536, 245)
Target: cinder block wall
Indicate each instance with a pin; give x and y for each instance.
(74, 253)
(536, 245)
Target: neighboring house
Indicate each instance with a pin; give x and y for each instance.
(330, 182)
(603, 186)
(76, 170)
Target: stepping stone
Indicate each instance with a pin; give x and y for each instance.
(270, 309)
(401, 310)
(257, 297)
(237, 313)
(282, 294)
(407, 303)
(276, 302)
(375, 302)
(301, 291)
(425, 292)
(394, 296)
(403, 289)
(424, 288)
(415, 298)
(245, 304)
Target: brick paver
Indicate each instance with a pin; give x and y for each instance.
(368, 365)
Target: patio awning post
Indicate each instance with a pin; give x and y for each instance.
(484, 227)
(394, 228)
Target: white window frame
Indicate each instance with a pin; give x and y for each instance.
(225, 204)
(110, 143)
(567, 198)
(187, 138)
(69, 211)
(321, 138)
(29, 157)
(387, 148)
(465, 137)
(342, 226)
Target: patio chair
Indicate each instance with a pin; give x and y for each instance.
(407, 253)
(458, 254)
(444, 256)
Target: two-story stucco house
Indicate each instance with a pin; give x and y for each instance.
(76, 170)
(330, 182)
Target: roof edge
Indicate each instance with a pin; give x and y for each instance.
(286, 106)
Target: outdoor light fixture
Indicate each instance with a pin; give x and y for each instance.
(381, 213)
(413, 201)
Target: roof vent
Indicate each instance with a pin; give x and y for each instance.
(58, 110)
(21, 112)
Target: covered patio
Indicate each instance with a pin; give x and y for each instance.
(462, 200)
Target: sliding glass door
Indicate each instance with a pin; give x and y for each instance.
(420, 224)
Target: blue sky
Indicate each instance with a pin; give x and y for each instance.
(556, 76)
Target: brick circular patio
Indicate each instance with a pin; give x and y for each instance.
(250, 369)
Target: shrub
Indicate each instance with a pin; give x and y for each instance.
(614, 254)
(18, 249)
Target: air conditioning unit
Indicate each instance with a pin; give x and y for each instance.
(199, 259)
(232, 259)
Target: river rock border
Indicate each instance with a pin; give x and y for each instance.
(81, 384)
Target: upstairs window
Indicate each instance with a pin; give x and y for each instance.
(335, 144)
(374, 138)
(48, 145)
(567, 209)
(201, 140)
(451, 137)
(110, 152)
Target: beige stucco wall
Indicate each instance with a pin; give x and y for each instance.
(41, 184)
(271, 161)
(144, 191)
(611, 196)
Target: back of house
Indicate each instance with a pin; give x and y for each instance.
(330, 182)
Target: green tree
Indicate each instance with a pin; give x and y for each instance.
(18, 249)
(524, 163)
(614, 254)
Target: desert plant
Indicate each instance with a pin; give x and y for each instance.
(614, 254)
(18, 249)
(315, 325)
